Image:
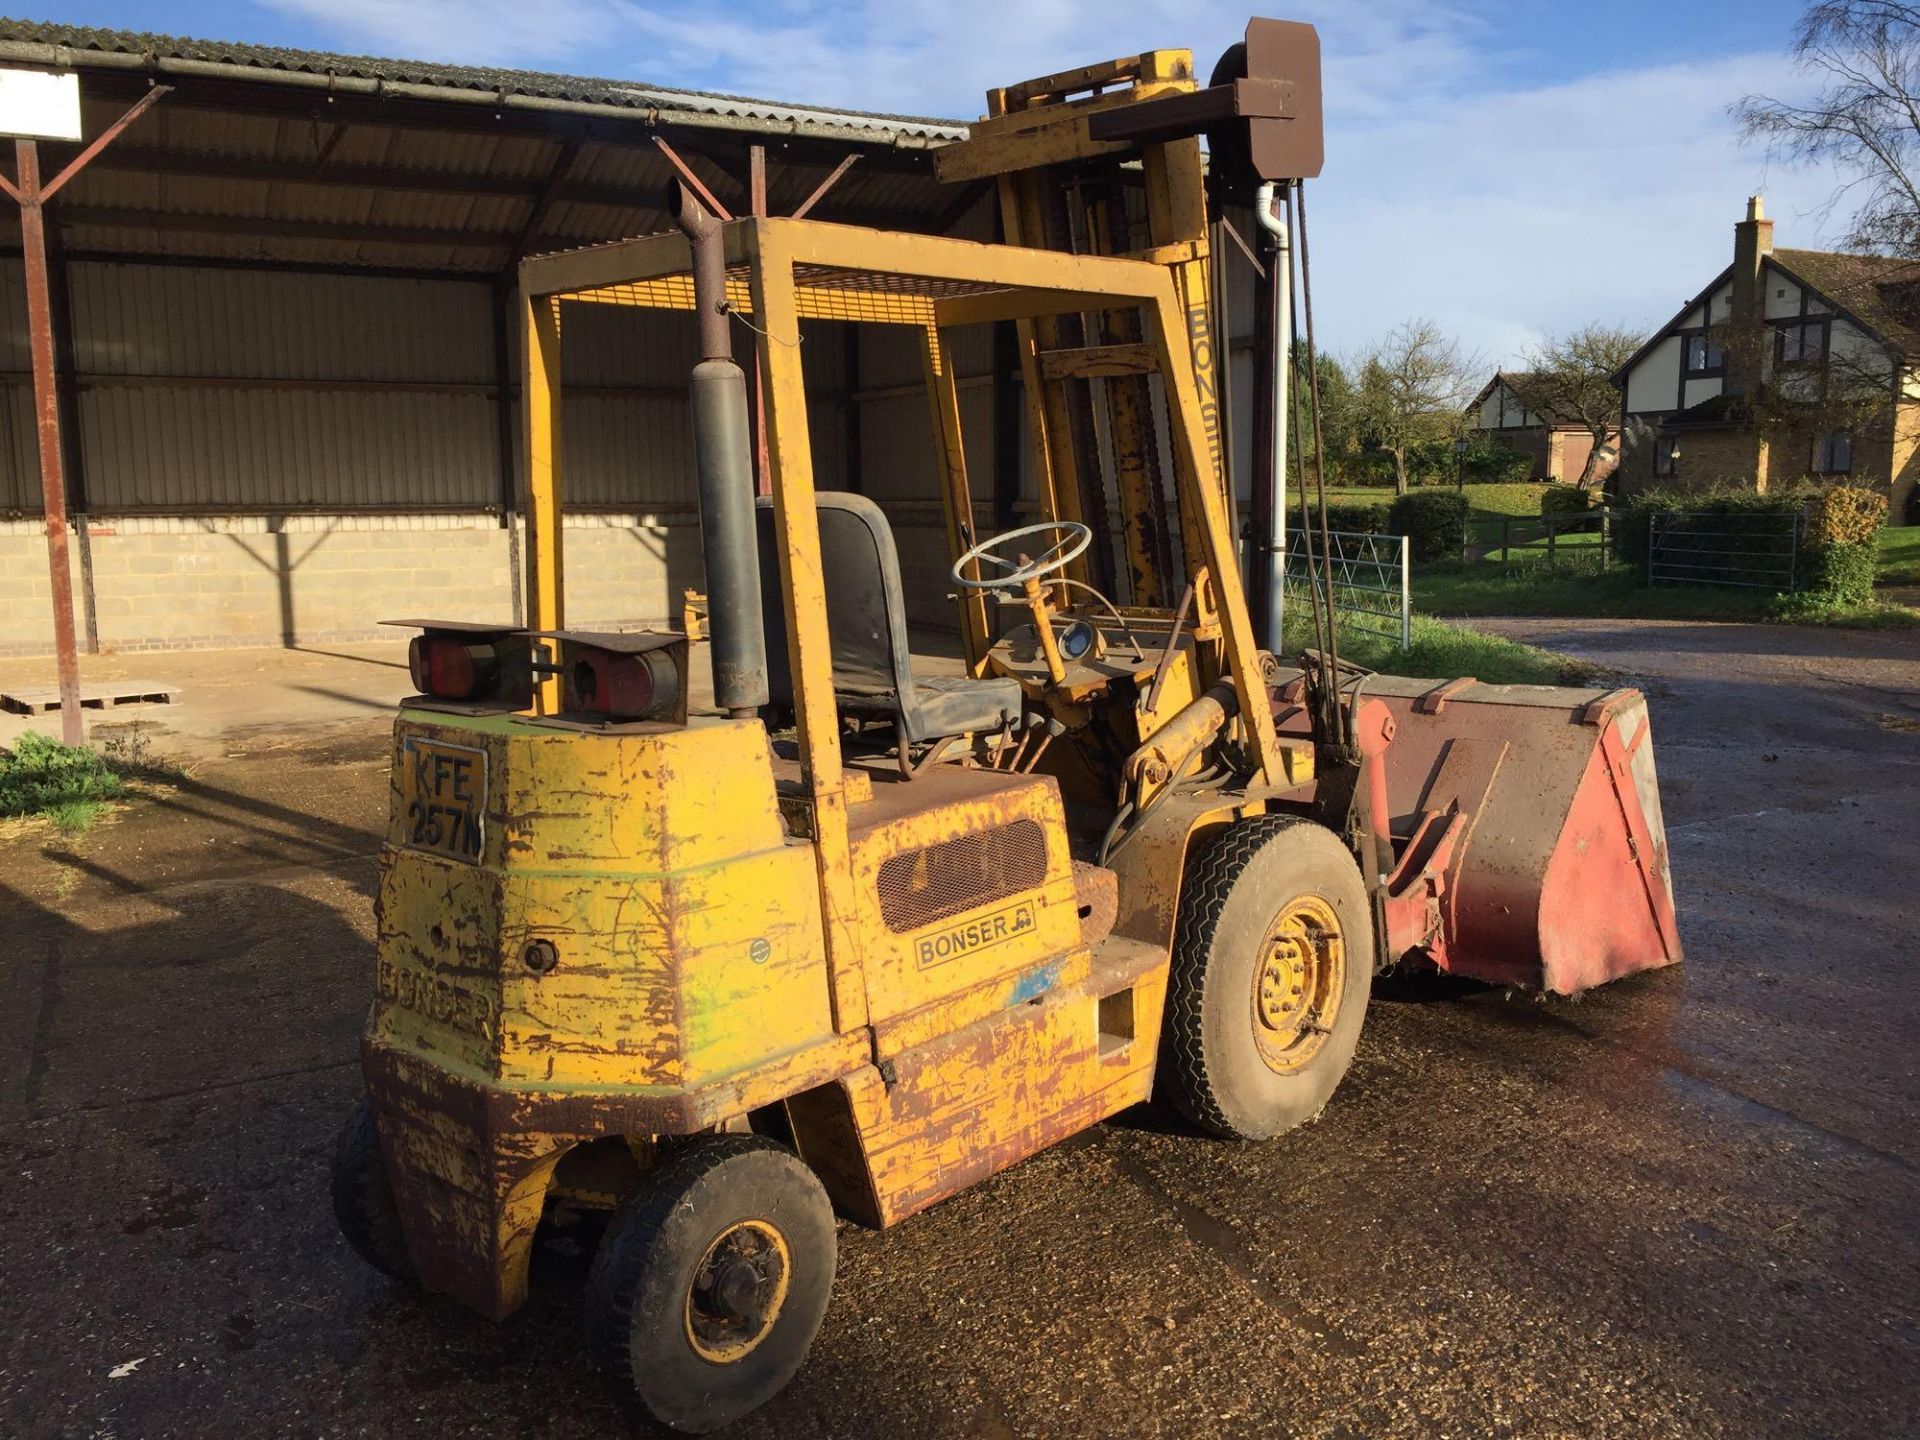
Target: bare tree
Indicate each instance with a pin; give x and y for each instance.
(1865, 119)
(1569, 381)
(1414, 388)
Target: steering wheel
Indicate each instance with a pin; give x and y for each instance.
(1071, 544)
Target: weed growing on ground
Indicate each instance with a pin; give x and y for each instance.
(69, 785)
(131, 755)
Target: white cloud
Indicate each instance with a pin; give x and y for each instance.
(1510, 213)
(1454, 187)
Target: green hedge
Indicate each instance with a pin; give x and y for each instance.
(1494, 462)
(1565, 500)
(1842, 543)
(1841, 574)
(1557, 501)
(1356, 517)
(1434, 522)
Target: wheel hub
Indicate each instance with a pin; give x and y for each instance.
(1283, 984)
(1298, 983)
(737, 1291)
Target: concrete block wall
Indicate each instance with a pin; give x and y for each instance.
(26, 620)
(194, 583)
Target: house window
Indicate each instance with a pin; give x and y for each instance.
(1666, 457)
(1704, 356)
(1833, 453)
(1799, 341)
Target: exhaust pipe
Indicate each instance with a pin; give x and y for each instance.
(723, 456)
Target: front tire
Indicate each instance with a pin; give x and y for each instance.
(1272, 963)
(712, 1281)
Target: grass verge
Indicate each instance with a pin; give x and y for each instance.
(1443, 651)
(1899, 560)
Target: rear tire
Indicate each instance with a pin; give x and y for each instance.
(712, 1281)
(1272, 962)
(363, 1202)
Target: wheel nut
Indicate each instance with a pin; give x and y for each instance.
(540, 956)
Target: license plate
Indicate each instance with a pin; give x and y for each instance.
(445, 790)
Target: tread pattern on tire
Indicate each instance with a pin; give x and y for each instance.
(612, 1282)
(1209, 881)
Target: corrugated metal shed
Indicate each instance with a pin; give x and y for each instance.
(283, 281)
(19, 481)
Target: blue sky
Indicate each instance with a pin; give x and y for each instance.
(1507, 168)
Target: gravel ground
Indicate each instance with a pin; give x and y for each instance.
(1684, 1205)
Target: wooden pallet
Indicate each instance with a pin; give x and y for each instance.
(96, 695)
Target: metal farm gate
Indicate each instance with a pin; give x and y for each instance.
(1370, 580)
(1705, 547)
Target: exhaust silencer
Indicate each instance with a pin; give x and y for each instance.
(723, 457)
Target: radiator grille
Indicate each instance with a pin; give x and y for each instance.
(920, 887)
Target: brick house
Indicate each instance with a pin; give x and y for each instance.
(1559, 451)
(1736, 386)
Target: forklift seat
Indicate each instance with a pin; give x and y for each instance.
(867, 629)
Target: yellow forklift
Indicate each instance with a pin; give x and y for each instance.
(867, 934)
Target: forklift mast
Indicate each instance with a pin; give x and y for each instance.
(1106, 160)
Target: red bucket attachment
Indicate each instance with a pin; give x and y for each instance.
(1527, 825)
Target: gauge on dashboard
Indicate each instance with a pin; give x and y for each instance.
(1076, 640)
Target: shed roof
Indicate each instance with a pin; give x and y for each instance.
(269, 156)
(84, 45)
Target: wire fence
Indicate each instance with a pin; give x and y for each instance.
(1575, 543)
(1371, 589)
(1703, 547)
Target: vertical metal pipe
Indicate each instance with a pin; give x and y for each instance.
(1268, 216)
(1406, 600)
(46, 405)
(507, 489)
(1262, 483)
(1221, 322)
(723, 455)
(757, 205)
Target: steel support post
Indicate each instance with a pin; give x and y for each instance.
(32, 197)
(46, 409)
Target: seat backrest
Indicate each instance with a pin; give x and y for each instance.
(866, 608)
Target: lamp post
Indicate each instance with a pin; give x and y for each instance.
(1460, 465)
